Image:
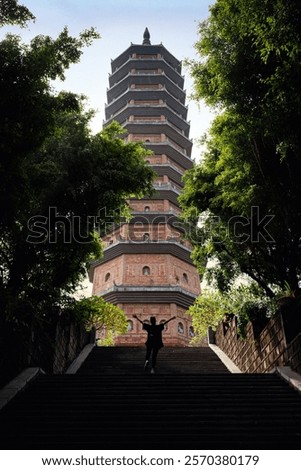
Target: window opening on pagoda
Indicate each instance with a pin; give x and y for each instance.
(146, 236)
(180, 328)
(147, 209)
(146, 271)
(130, 325)
(185, 278)
(191, 332)
(107, 277)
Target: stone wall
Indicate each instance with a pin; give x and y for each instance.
(257, 352)
(70, 339)
(294, 354)
(51, 345)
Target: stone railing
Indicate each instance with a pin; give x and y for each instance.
(70, 338)
(294, 354)
(259, 352)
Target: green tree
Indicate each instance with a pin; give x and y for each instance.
(107, 319)
(245, 302)
(13, 13)
(60, 185)
(250, 71)
(208, 310)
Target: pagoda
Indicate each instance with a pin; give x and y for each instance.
(147, 268)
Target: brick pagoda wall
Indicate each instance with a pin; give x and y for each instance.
(173, 335)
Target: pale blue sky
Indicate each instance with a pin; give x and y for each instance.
(120, 22)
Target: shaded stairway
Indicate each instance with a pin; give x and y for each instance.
(109, 409)
(130, 360)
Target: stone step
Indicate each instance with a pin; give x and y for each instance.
(121, 360)
(191, 410)
(124, 412)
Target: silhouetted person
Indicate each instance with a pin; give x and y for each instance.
(154, 340)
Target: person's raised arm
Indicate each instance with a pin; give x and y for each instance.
(169, 320)
(135, 316)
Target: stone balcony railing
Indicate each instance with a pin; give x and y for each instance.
(167, 187)
(183, 244)
(259, 352)
(148, 288)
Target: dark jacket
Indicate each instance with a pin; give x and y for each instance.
(154, 335)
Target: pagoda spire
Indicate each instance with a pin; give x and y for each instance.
(146, 37)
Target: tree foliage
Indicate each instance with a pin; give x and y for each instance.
(59, 183)
(248, 184)
(207, 311)
(107, 319)
(245, 302)
(13, 13)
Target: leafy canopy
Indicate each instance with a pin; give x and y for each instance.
(59, 183)
(107, 319)
(247, 184)
(13, 13)
(245, 302)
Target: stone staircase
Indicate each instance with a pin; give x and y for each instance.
(192, 402)
(130, 360)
